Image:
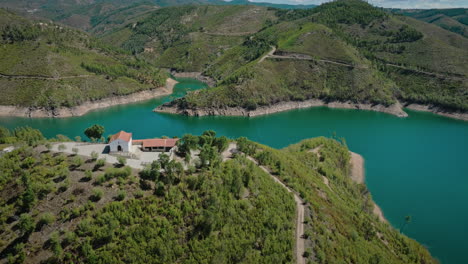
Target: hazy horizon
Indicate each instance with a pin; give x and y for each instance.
(405, 4)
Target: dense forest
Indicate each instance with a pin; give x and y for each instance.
(201, 207)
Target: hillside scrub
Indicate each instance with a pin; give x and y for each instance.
(341, 225)
(351, 52)
(206, 215)
(77, 65)
(220, 211)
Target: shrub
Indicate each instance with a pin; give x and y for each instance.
(62, 147)
(77, 161)
(121, 196)
(100, 179)
(45, 219)
(88, 175)
(100, 163)
(94, 155)
(97, 195)
(117, 173)
(139, 194)
(75, 150)
(121, 160)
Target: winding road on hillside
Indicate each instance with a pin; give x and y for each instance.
(300, 205)
(299, 56)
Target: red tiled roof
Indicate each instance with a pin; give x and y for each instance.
(121, 135)
(159, 142)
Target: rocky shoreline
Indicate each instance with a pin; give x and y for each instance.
(195, 75)
(357, 175)
(395, 109)
(38, 112)
(438, 111)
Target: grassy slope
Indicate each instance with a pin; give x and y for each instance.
(55, 51)
(341, 226)
(352, 32)
(228, 212)
(455, 20)
(190, 38)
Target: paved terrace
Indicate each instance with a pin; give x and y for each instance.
(136, 159)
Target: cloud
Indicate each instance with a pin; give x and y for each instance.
(387, 3)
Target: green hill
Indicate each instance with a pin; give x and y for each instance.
(43, 64)
(190, 38)
(62, 208)
(105, 15)
(455, 20)
(339, 51)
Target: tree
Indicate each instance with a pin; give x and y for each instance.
(163, 160)
(221, 143)
(208, 155)
(28, 198)
(94, 132)
(187, 142)
(29, 135)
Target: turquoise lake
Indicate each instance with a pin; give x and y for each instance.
(415, 166)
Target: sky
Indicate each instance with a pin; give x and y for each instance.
(387, 3)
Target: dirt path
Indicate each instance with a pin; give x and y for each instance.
(269, 54)
(300, 248)
(41, 77)
(300, 56)
(232, 34)
(300, 215)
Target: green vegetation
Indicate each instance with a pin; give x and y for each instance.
(79, 68)
(94, 132)
(219, 211)
(341, 225)
(339, 51)
(190, 38)
(455, 20)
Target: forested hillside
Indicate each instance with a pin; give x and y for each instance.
(346, 51)
(455, 20)
(43, 64)
(190, 38)
(342, 51)
(61, 208)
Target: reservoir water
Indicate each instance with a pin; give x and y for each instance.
(415, 166)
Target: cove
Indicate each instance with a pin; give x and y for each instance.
(415, 166)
